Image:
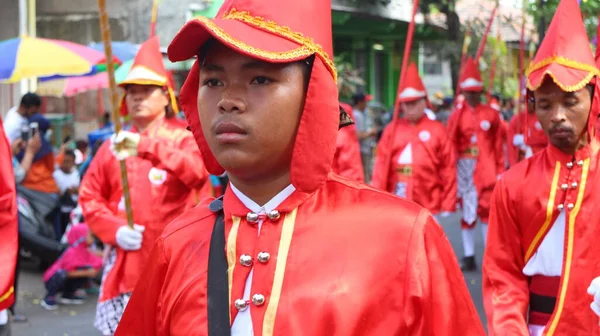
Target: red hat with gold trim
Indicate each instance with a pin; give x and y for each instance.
(565, 54)
(148, 69)
(276, 32)
(470, 77)
(412, 87)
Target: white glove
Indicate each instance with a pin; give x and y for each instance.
(594, 290)
(124, 144)
(130, 239)
(518, 140)
(445, 214)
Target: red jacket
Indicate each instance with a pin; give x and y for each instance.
(8, 224)
(477, 133)
(431, 176)
(344, 260)
(525, 205)
(347, 161)
(163, 180)
(528, 126)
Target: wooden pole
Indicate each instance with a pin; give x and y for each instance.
(114, 100)
(154, 18)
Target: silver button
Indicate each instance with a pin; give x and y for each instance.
(574, 185)
(273, 215)
(560, 207)
(245, 260)
(258, 299)
(241, 304)
(570, 206)
(564, 186)
(580, 163)
(264, 257)
(252, 217)
(569, 165)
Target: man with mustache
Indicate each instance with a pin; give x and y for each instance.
(542, 251)
(476, 132)
(422, 167)
(164, 169)
(291, 249)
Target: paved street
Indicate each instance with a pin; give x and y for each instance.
(78, 320)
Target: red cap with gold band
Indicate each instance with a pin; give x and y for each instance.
(565, 54)
(412, 87)
(277, 32)
(470, 77)
(148, 69)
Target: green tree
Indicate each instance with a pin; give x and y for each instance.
(543, 10)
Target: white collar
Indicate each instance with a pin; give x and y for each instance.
(269, 206)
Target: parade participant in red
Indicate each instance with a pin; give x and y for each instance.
(8, 231)
(475, 131)
(164, 169)
(423, 165)
(347, 161)
(292, 249)
(503, 132)
(543, 249)
(525, 137)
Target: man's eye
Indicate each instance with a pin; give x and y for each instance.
(571, 102)
(261, 80)
(212, 82)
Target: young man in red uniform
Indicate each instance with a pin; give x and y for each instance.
(525, 137)
(422, 166)
(292, 249)
(476, 133)
(347, 161)
(164, 169)
(542, 252)
(9, 244)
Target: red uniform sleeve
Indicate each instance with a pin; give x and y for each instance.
(381, 169)
(8, 224)
(505, 287)
(143, 315)
(347, 156)
(184, 161)
(447, 171)
(437, 301)
(499, 140)
(94, 194)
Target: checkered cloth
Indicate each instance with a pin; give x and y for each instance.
(466, 189)
(108, 313)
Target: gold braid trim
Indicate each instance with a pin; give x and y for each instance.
(566, 88)
(560, 60)
(302, 51)
(273, 27)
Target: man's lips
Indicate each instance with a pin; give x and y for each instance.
(230, 133)
(561, 132)
(224, 128)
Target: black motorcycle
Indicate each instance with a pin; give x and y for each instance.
(37, 234)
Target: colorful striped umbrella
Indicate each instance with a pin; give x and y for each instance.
(26, 57)
(71, 86)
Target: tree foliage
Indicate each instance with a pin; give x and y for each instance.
(543, 10)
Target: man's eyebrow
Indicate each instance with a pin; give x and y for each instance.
(257, 65)
(212, 67)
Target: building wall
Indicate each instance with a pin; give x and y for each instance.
(9, 28)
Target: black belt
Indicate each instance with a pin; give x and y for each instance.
(541, 303)
(218, 287)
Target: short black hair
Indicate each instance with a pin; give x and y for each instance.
(31, 100)
(70, 152)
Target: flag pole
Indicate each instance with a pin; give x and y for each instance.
(114, 100)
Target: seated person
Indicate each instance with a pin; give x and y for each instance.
(73, 270)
